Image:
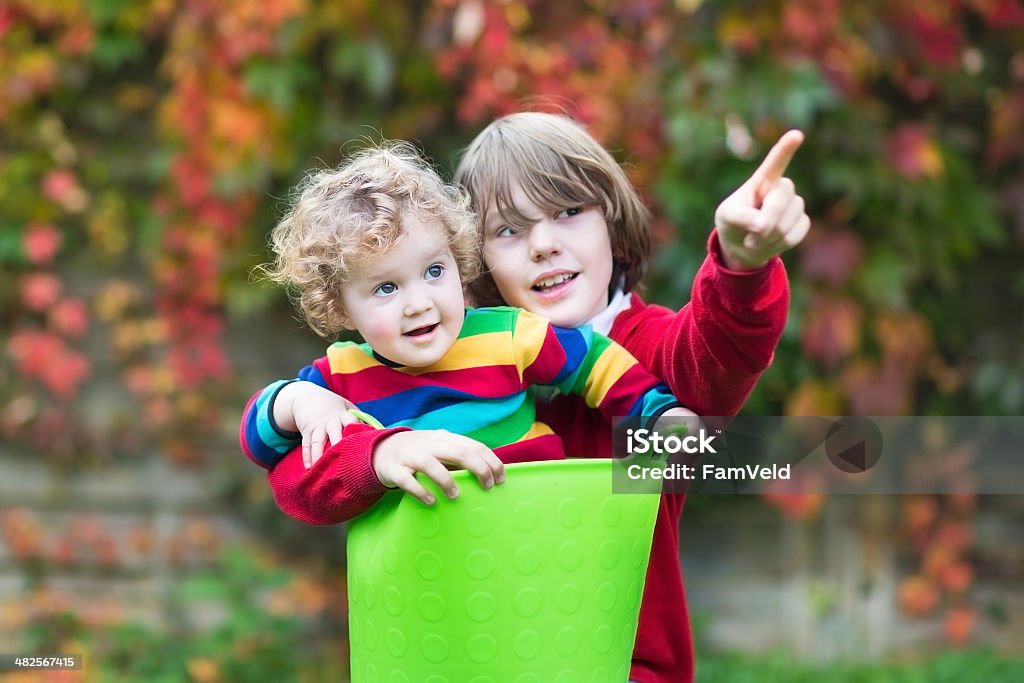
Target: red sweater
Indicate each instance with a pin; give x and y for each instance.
(710, 353)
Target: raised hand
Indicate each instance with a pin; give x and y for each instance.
(764, 216)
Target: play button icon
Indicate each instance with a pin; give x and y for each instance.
(853, 444)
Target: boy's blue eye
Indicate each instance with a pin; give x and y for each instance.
(435, 271)
(385, 289)
(505, 231)
(570, 212)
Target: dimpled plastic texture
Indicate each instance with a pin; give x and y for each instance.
(538, 580)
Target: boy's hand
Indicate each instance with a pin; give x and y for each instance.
(397, 459)
(765, 216)
(692, 420)
(316, 413)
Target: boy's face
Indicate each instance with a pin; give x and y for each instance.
(559, 268)
(407, 303)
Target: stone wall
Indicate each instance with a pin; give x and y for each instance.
(827, 589)
(109, 543)
(114, 542)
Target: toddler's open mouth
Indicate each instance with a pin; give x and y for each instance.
(420, 331)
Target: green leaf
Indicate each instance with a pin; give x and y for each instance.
(11, 250)
(113, 49)
(205, 587)
(281, 82)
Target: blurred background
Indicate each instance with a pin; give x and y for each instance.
(147, 147)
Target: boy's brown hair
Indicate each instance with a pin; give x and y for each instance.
(341, 217)
(558, 164)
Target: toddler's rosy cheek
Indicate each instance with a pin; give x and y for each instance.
(382, 330)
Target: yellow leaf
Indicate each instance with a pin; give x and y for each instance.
(814, 398)
(203, 670)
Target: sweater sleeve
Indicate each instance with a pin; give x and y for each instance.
(582, 362)
(339, 486)
(712, 351)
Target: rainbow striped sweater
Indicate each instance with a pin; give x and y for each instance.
(482, 388)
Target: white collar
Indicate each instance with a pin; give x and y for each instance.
(603, 321)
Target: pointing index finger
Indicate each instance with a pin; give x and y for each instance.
(774, 165)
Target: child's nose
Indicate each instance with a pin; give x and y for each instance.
(544, 241)
(418, 302)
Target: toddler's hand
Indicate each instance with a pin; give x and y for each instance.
(318, 430)
(397, 459)
(765, 216)
(317, 413)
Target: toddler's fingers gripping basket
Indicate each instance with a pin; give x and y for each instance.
(538, 580)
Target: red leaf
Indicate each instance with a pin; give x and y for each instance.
(913, 152)
(831, 331)
(874, 390)
(957, 577)
(917, 596)
(919, 513)
(1000, 14)
(812, 24)
(41, 243)
(935, 31)
(39, 291)
(960, 624)
(831, 255)
(61, 186)
(64, 374)
(905, 337)
(44, 356)
(796, 506)
(69, 316)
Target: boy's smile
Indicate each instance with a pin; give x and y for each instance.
(559, 267)
(407, 303)
(553, 284)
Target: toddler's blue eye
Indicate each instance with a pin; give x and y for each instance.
(435, 271)
(385, 289)
(570, 212)
(505, 231)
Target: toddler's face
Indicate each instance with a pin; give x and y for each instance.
(560, 267)
(407, 303)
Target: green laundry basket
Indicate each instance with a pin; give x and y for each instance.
(538, 580)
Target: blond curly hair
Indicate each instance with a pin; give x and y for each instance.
(341, 217)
